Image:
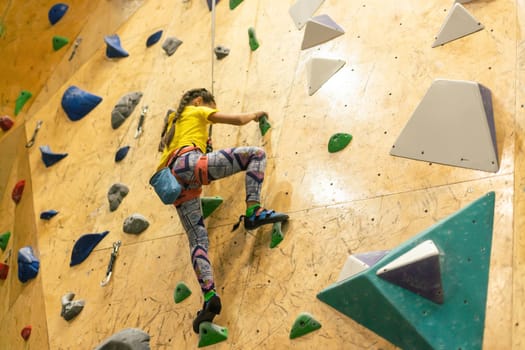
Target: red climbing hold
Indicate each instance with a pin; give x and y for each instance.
(6, 123)
(4, 269)
(26, 332)
(18, 190)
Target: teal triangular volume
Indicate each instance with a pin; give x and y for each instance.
(411, 322)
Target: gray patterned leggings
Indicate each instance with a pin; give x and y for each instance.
(221, 164)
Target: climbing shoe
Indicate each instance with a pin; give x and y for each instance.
(210, 309)
(260, 217)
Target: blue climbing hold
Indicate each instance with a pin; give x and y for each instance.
(28, 264)
(48, 214)
(114, 49)
(121, 153)
(49, 158)
(84, 246)
(56, 12)
(153, 38)
(78, 103)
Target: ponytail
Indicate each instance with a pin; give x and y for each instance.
(167, 134)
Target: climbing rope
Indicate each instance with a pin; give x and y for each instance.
(209, 147)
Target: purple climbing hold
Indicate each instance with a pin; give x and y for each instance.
(28, 264)
(84, 246)
(153, 38)
(56, 12)
(114, 48)
(121, 153)
(78, 103)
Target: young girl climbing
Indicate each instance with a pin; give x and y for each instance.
(183, 146)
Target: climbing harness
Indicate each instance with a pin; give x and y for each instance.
(32, 141)
(141, 122)
(109, 271)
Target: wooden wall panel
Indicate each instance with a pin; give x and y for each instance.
(357, 200)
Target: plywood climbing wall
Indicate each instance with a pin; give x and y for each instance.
(357, 200)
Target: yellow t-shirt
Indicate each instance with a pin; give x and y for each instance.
(190, 128)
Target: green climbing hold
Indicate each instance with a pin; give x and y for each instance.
(21, 100)
(304, 324)
(4, 238)
(2, 29)
(254, 43)
(338, 142)
(234, 3)
(209, 204)
(181, 292)
(210, 334)
(277, 235)
(59, 42)
(264, 124)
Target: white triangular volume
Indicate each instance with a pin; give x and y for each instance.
(454, 125)
(420, 252)
(458, 23)
(352, 267)
(319, 70)
(319, 30)
(302, 10)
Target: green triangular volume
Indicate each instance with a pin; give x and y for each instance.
(4, 238)
(338, 142)
(182, 291)
(210, 334)
(234, 4)
(59, 42)
(304, 324)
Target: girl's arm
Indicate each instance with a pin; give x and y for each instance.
(235, 118)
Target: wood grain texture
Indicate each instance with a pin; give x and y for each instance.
(357, 200)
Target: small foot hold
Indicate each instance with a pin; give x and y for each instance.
(182, 291)
(304, 324)
(277, 235)
(338, 142)
(254, 43)
(264, 125)
(210, 334)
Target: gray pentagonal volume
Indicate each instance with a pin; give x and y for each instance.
(453, 125)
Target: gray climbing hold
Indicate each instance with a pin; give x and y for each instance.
(124, 108)
(135, 223)
(171, 45)
(116, 194)
(221, 52)
(71, 308)
(126, 339)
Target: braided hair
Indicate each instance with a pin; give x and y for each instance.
(167, 135)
